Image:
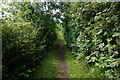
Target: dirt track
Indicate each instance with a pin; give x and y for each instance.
(62, 59)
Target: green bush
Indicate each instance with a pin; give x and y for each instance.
(93, 31)
(26, 39)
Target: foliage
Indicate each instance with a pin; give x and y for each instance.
(26, 38)
(92, 32)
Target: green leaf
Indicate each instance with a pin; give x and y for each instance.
(109, 39)
(116, 52)
(102, 58)
(28, 70)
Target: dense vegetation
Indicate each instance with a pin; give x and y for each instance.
(91, 31)
(27, 35)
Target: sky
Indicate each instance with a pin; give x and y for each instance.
(6, 13)
(3, 6)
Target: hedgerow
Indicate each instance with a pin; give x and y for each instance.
(26, 38)
(92, 31)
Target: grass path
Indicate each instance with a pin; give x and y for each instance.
(60, 63)
(54, 65)
(57, 66)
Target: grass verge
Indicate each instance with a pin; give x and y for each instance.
(77, 70)
(48, 68)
